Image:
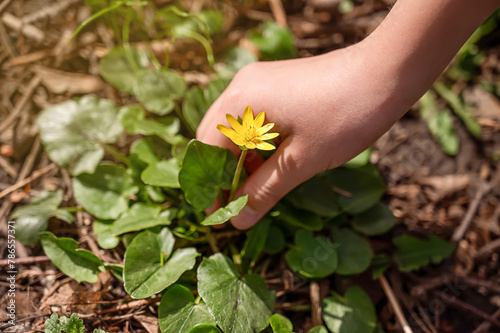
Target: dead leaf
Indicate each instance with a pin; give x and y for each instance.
(150, 323)
(60, 82)
(441, 186)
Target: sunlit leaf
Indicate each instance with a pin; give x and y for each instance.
(242, 305)
(80, 264)
(413, 253)
(73, 132)
(226, 213)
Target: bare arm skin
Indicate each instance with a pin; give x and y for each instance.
(329, 108)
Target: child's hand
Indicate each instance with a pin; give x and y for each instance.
(324, 109)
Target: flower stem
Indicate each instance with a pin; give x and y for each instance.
(115, 153)
(237, 175)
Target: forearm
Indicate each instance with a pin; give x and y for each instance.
(418, 39)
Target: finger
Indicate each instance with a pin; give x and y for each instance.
(269, 183)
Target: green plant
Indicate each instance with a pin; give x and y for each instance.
(73, 324)
(149, 198)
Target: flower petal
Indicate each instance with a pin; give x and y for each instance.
(259, 120)
(250, 145)
(268, 136)
(265, 146)
(247, 117)
(234, 123)
(264, 129)
(230, 133)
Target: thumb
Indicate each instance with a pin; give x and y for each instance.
(268, 184)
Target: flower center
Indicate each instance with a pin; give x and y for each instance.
(250, 134)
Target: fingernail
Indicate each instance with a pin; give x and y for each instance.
(245, 219)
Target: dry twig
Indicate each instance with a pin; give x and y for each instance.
(395, 305)
(36, 174)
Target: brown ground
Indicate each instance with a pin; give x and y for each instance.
(428, 191)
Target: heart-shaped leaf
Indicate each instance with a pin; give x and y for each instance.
(313, 257)
(316, 195)
(275, 42)
(197, 101)
(413, 253)
(178, 312)
(354, 252)
(80, 264)
(256, 240)
(105, 192)
(140, 217)
(363, 187)
(73, 132)
(205, 329)
(121, 66)
(205, 170)
(242, 305)
(376, 220)
(299, 217)
(318, 329)
(157, 90)
(353, 313)
(164, 174)
(105, 236)
(275, 240)
(147, 271)
(226, 213)
(32, 218)
(281, 324)
(133, 118)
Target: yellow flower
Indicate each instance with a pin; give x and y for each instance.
(250, 134)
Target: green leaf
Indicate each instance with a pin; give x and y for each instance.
(224, 214)
(205, 170)
(275, 240)
(98, 330)
(75, 324)
(380, 262)
(354, 252)
(377, 220)
(299, 217)
(80, 264)
(197, 101)
(105, 193)
(440, 124)
(205, 329)
(274, 41)
(461, 110)
(116, 270)
(363, 185)
(313, 257)
(32, 218)
(354, 313)
(72, 132)
(235, 59)
(143, 150)
(256, 240)
(145, 273)
(140, 217)
(316, 195)
(164, 174)
(104, 232)
(379, 329)
(212, 19)
(133, 118)
(318, 329)
(413, 253)
(178, 312)
(281, 324)
(239, 305)
(157, 90)
(54, 324)
(121, 66)
(360, 160)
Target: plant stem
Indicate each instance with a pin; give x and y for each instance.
(115, 153)
(237, 175)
